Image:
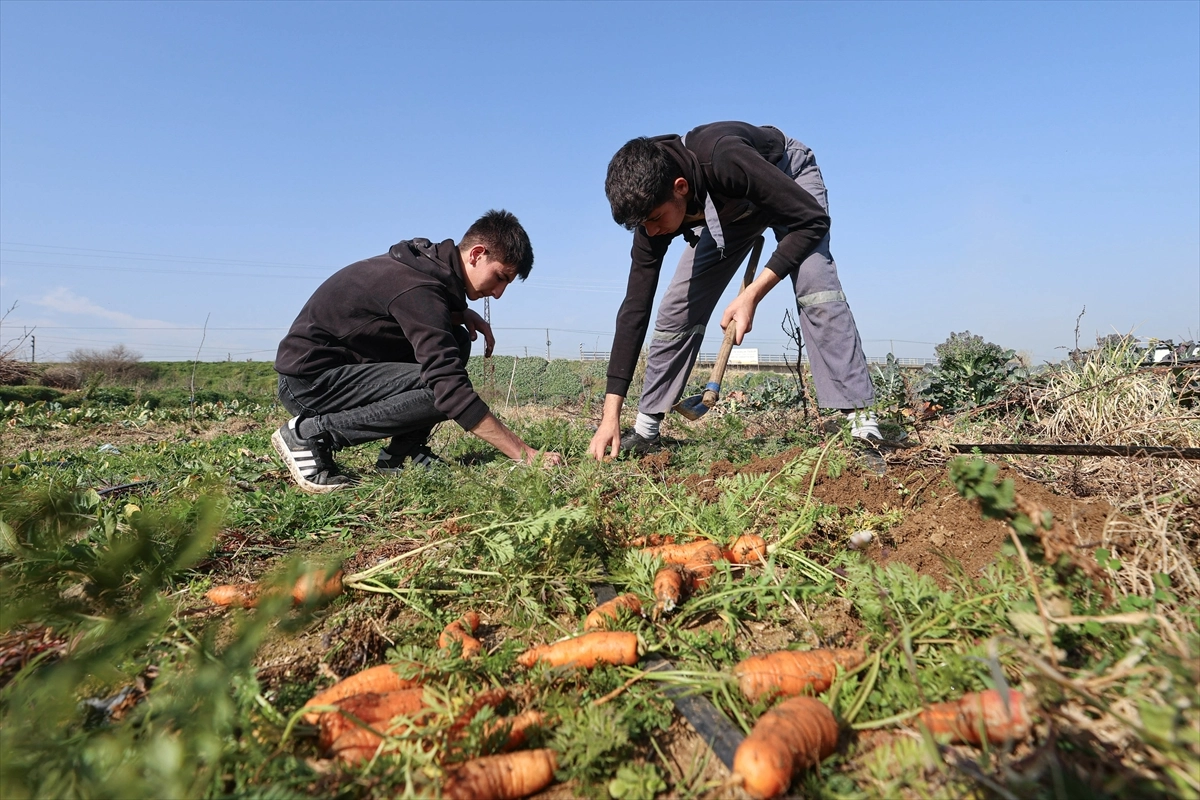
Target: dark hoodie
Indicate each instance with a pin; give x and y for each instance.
(738, 165)
(392, 307)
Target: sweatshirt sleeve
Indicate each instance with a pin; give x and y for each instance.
(633, 318)
(741, 172)
(424, 315)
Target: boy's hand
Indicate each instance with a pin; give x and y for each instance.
(475, 325)
(741, 313)
(607, 440)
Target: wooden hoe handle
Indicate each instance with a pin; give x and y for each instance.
(712, 391)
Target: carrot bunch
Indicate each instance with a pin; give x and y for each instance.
(352, 732)
(979, 716)
(377, 680)
(689, 566)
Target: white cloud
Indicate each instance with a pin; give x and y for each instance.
(66, 301)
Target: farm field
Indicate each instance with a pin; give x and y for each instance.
(1070, 580)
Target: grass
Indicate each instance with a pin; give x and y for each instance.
(117, 679)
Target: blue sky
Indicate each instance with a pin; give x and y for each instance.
(992, 167)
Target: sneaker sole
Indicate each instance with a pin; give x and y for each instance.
(304, 484)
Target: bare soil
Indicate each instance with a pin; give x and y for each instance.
(941, 532)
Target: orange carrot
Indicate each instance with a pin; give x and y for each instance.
(652, 540)
(243, 595)
(793, 736)
(673, 584)
(316, 587)
(699, 550)
(375, 709)
(605, 613)
(670, 588)
(490, 698)
(502, 777)
(698, 573)
(382, 678)
(619, 648)
(460, 631)
(313, 586)
(356, 746)
(979, 715)
(791, 672)
(748, 548)
(518, 728)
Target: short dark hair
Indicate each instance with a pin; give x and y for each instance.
(641, 177)
(506, 241)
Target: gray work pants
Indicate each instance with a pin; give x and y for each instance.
(360, 403)
(839, 368)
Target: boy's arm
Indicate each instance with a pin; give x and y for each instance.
(497, 434)
(633, 321)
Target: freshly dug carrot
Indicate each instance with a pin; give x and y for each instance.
(313, 586)
(698, 573)
(382, 678)
(747, 549)
(490, 698)
(652, 540)
(792, 672)
(375, 709)
(619, 648)
(699, 550)
(796, 734)
(460, 631)
(316, 587)
(670, 588)
(355, 746)
(979, 715)
(518, 728)
(237, 595)
(605, 613)
(502, 777)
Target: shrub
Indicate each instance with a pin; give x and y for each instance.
(970, 372)
(62, 377)
(117, 363)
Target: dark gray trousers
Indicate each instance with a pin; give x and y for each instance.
(839, 368)
(360, 403)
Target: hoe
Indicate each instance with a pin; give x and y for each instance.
(698, 405)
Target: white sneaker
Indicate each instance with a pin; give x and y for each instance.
(864, 425)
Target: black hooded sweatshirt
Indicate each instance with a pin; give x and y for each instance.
(392, 307)
(738, 165)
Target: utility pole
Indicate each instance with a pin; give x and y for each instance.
(547, 344)
(33, 352)
(489, 369)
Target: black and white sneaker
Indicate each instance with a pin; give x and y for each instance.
(419, 455)
(309, 460)
(636, 444)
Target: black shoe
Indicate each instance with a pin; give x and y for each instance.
(869, 450)
(633, 442)
(309, 460)
(419, 455)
